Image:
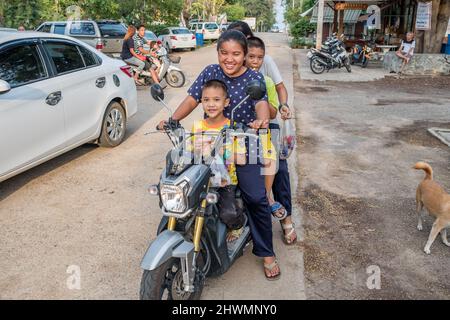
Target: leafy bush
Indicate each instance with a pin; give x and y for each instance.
(302, 28)
(301, 42)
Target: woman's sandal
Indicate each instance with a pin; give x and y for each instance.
(287, 237)
(276, 207)
(270, 267)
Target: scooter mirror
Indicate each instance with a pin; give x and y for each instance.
(157, 92)
(256, 89)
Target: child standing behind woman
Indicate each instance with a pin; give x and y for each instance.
(278, 187)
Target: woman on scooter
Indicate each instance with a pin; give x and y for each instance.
(232, 50)
(281, 186)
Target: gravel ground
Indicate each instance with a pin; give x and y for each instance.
(358, 142)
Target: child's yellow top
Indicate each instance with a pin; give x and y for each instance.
(237, 146)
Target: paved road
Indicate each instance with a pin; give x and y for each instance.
(90, 209)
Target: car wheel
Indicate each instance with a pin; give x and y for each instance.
(114, 126)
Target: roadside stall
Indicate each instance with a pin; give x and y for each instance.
(380, 23)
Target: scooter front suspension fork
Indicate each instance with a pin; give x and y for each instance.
(171, 223)
(199, 221)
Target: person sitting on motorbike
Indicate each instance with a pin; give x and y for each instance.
(278, 186)
(231, 52)
(139, 42)
(154, 54)
(214, 100)
(129, 55)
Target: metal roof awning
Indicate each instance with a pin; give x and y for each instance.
(350, 16)
(332, 3)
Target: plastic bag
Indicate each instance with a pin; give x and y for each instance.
(287, 139)
(220, 176)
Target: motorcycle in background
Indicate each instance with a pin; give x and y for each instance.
(331, 55)
(173, 75)
(361, 55)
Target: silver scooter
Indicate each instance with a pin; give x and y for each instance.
(191, 239)
(173, 75)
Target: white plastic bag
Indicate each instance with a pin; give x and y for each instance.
(287, 139)
(220, 176)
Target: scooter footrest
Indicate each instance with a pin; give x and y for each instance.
(236, 245)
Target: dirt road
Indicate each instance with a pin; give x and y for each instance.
(357, 189)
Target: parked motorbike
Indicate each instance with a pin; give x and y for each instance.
(173, 75)
(361, 55)
(331, 55)
(191, 239)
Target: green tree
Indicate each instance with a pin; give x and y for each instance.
(234, 12)
(302, 28)
(262, 10)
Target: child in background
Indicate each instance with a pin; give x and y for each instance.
(154, 50)
(214, 101)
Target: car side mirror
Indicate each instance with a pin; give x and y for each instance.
(256, 89)
(157, 92)
(4, 87)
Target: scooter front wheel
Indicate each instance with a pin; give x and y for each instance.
(166, 283)
(175, 78)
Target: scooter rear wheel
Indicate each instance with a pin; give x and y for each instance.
(316, 66)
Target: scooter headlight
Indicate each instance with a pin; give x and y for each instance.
(174, 198)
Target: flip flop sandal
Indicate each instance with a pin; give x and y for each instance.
(276, 206)
(270, 267)
(287, 237)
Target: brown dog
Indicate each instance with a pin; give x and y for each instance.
(436, 201)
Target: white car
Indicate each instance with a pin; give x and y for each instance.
(210, 30)
(57, 93)
(177, 38)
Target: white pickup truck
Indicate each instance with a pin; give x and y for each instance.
(104, 35)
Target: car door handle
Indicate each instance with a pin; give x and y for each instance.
(100, 82)
(54, 98)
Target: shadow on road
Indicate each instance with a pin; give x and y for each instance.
(15, 183)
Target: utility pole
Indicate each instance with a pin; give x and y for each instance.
(320, 23)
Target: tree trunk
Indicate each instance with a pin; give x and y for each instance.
(341, 22)
(432, 40)
(335, 21)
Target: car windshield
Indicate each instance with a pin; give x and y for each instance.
(181, 31)
(211, 26)
(112, 29)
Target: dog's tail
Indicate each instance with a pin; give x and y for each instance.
(425, 167)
